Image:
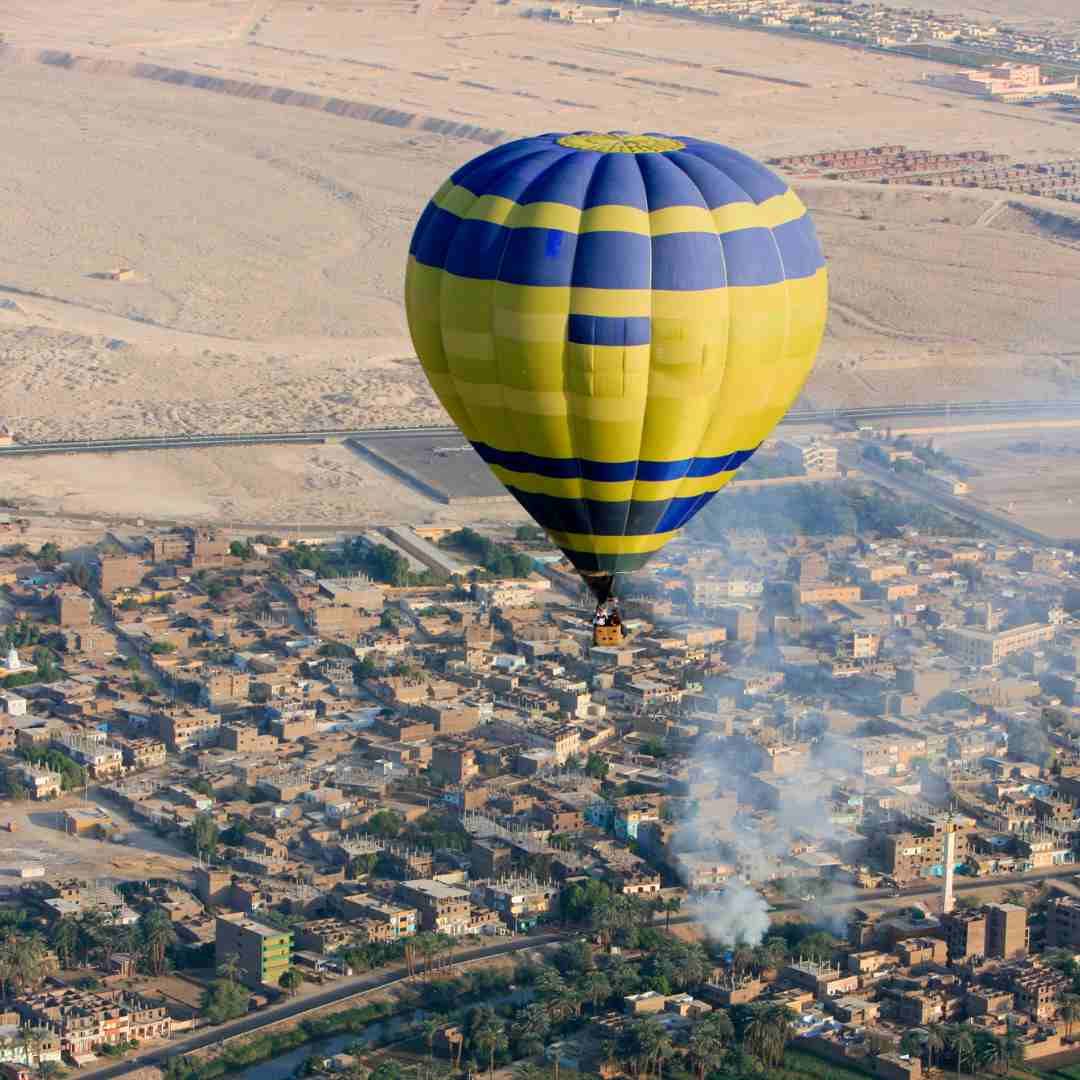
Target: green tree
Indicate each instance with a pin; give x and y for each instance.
(530, 1029)
(490, 1039)
(64, 938)
(1069, 1011)
(594, 987)
(48, 555)
(204, 835)
(708, 1039)
(24, 961)
(935, 1041)
(597, 767)
(768, 1034)
(388, 1069)
(671, 907)
(962, 1046)
(291, 980)
(912, 1043)
(156, 931)
(224, 1000)
(429, 1028)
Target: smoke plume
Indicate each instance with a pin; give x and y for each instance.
(736, 916)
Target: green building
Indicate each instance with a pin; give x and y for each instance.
(263, 953)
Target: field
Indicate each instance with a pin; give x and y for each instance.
(799, 1065)
(1032, 477)
(39, 840)
(254, 169)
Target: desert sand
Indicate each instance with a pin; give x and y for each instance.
(257, 166)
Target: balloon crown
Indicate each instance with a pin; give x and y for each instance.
(620, 142)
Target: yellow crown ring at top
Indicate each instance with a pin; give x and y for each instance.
(612, 143)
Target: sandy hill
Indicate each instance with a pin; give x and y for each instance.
(255, 169)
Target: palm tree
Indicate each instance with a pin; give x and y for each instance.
(647, 1037)
(671, 906)
(594, 986)
(707, 1041)
(530, 1029)
(65, 940)
(603, 919)
(962, 1045)
(742, 956)
(490, 1039)
(158, 935)
(936, 1037)
(665, 1048)
(1011, 1047)
(528, 1071)
(775, 951)
(768, 1033)
(430, 1028)
(1069, 1012)
(290, 981)
(25, 960)
(987, 1052)
(608, 1050)
(912, 1043)
(229, 968)
(548, 983)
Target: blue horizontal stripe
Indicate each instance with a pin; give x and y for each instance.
(682, 262)
(611, 471)
(609, 330)
(477, 250)
(612, 260)
(591, 517)
(689, 261)
(752, 258)
(434, 235)
(799, 248)
(680, 511)
(536, 257)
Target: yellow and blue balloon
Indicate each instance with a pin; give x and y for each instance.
(615, 322)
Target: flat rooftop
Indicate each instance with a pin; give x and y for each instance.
(444, 467)
(436, 889)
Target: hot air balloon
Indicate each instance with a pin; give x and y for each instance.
(615, 322)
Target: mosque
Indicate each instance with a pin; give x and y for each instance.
(13, 665)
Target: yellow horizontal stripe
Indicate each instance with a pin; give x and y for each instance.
(612, 545)
(498, 210)
(619, 491)
(615, 219)
(778, 210)
(680, 219)
(544, 215)
(657, 490)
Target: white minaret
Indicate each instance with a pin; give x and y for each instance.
(948, 901)
(13, 661)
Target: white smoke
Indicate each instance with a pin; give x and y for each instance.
(736, 916)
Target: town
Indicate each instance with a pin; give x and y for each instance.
(954, 38)
(820, 791)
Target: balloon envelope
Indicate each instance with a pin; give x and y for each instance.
(615, 322)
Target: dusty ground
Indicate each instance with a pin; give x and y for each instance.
(288, 488)
(1032, 478)
(38, 840)
(267, 238)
